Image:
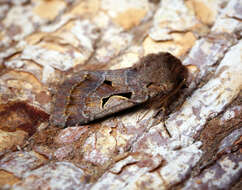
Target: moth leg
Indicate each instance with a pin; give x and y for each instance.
(160, 108)
(167, 131)
(159, 120)
(144, 115)
(163, 109)
(161, 116)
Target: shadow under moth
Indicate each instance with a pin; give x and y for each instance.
(89, 95)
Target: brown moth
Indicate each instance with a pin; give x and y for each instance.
(89, 95)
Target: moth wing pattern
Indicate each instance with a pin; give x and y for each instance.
(92, 95)
(89, 95)
(62, 98)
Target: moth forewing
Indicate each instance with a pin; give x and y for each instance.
(90, 95)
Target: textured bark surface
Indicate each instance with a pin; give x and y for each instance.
(196, 146)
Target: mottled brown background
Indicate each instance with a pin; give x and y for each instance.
(41, 41)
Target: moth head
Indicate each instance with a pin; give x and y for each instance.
(162, 72)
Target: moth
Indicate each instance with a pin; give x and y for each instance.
(90, 95)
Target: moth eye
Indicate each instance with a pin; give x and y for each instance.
(126, 95)
(184, 86)
(108, 82)
(149, 84)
